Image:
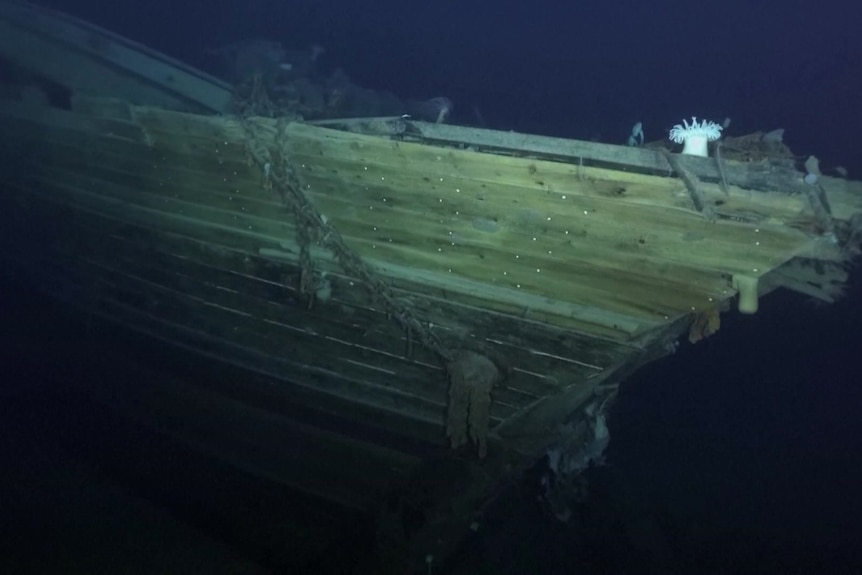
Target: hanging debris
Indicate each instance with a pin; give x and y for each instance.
(471, 378)
(705, 324)
(583, 445)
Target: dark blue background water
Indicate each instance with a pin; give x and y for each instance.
(581, 69)
(746, 448)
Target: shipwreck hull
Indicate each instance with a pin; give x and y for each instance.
(561, 271)
(168, 243)
(325, 294)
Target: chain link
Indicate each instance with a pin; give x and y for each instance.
(280, 174)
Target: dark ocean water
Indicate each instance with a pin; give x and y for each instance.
(738, 455)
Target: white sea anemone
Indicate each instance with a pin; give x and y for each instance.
(695, 136)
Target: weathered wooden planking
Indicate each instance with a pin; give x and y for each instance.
(403, 254)
(219, 235)
(414, 173)
(169, 183)
(219, 286)
(629, 295)
(605, 234)
(742, 202)
(401, 192)
(765, 175)
(624, 286)
(227, 219)
(118, 117)
(230, 317)
(101, 277)
(234, 270)
(75, 235)
(555, 179)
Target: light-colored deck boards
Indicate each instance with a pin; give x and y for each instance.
(186, 129)
(611, 289)
(514, 206)
(544, 206)
(599, 287)
(247, 237)
(412, 221)
(176, 188)
(160, 180)
(380, 157)
(633, 253)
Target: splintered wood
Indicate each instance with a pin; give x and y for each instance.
(472, 376)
